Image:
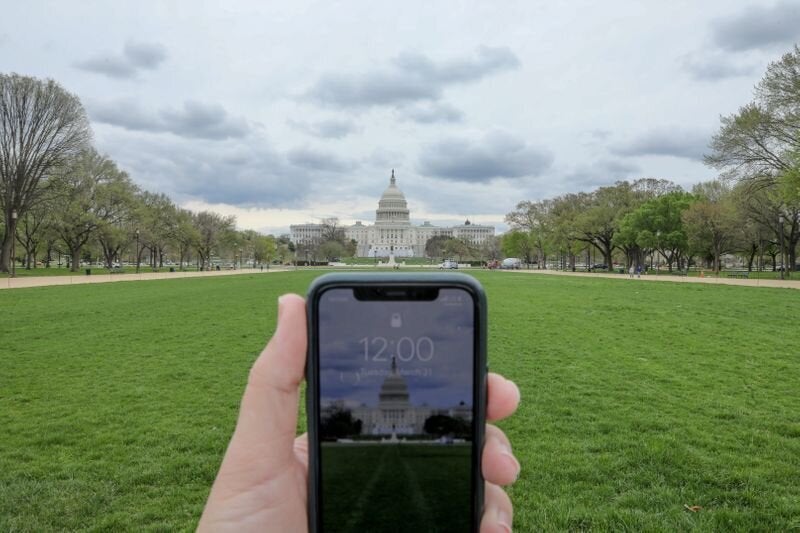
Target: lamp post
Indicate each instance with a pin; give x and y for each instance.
(783, 259)
(137, 250)
(14, 243)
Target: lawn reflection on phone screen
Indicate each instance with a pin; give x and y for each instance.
(396, 394)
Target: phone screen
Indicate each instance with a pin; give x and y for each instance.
(396, 394)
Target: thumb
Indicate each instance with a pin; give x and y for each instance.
(263, 443)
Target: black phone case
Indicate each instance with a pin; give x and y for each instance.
(354, 279)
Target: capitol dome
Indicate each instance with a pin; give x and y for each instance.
(392, 207)
(394, 391)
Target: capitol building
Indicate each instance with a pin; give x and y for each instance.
(393, 231)
(394, 413)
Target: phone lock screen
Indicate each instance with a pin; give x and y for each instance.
(395, 424)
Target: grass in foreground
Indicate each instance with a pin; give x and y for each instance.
(117, 400)
(408, 486)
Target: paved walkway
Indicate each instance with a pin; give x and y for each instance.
(43, 281)
(777, 283)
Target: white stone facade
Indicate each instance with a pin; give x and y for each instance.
(393, 231)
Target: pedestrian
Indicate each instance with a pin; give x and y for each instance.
(630, 271)
(639, 271)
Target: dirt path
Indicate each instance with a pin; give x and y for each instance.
(776, 283)
(43, 281)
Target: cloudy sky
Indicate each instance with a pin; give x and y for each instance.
(283, 113)
(439, 375)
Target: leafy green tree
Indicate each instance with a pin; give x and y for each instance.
(331, 250)
(156, 217)
(116, 202)
(711, 222)
(518, 244)
(658, 225)
(442, 425)
(185, 235)
(535, 219)
(85, 188)
(212, 229)
(339, 424)
(265, 249)
(434, 247)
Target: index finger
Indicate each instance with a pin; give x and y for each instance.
(503, 397)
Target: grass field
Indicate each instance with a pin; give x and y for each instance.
(117, 400)
(419, 487)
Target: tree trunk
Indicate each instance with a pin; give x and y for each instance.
(8, 240)
(76, 258)
(751, 257)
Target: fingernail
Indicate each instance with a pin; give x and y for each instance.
(513, 460)
(504, 520)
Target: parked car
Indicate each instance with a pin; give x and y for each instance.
(511, 263)
(448, 264)
(599, 266)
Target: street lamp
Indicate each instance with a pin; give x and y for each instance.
(137, 250)
(14, 243)
(783, 259)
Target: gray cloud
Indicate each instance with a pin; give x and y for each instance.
(496, 155)
(670, 142)
(194, 120)
(311, 159)
(135, 57)
(326, 129)
(410, 77)
(602, 172)
(759, 26)
(430, 113)
(239, 172)
(714, 67)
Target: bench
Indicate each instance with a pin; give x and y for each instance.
(683, 273)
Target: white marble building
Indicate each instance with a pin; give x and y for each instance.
(394, 412)
(393, 231)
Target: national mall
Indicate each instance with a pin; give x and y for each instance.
(392, 230)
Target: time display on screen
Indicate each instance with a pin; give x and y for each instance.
(404, 348)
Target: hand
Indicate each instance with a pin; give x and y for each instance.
(262, 483)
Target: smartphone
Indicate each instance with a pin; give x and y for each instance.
(396, 402)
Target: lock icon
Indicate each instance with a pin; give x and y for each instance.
(397, 320)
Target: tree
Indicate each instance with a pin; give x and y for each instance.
(86, 188)
(185, 235)
(32, 229)
(658, 225)
(42, 126)
(331, 250)
(264, 249)
(156, 217)
(339, 424)
(518, 244)
(434, 247)
(116, 205)
(441, 425)
(534, 218)
(212, 228)
(332, 230)
(711, 223)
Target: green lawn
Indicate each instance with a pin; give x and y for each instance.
(388, 481)
(117, 400)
